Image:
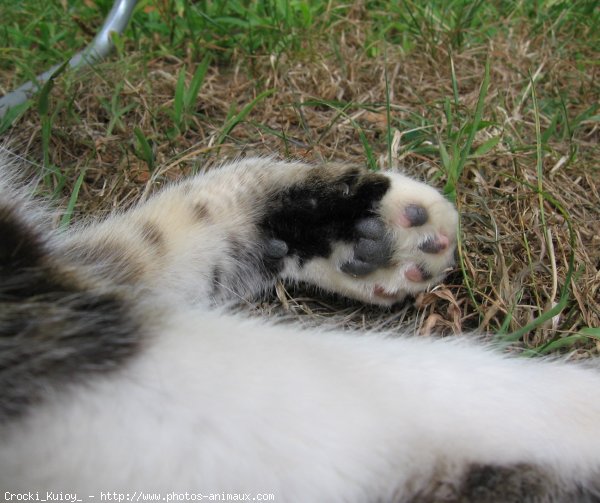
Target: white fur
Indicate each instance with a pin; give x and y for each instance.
(239, 406)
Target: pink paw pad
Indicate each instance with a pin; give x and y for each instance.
(381, 292)
(416, 274)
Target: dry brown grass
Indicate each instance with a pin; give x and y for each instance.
(516, 267)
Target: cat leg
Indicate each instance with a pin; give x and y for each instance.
(234, 231)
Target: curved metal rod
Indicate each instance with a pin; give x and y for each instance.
(116, 21)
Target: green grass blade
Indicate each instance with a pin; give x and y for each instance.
(565, 291)
(66, 218)
(388, 115)
(459, 161)
(486, 146)
(192, 93)
(466, 150)
(446, 162)
(592, 332)
(13, 115)
(454, 82)
(44, 94)
(237, 118)
(179, 99)
(46, 122)
(144, 149)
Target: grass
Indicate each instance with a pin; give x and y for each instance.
(186, 96)
(496, 103)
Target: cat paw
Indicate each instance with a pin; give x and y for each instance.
(405, 246)
(375, 237)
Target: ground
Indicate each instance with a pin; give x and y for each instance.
(496, 103)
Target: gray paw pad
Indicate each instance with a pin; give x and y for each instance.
(275, 248)
(416, 215)
(372, 250)
(370, 228)
(358, 268)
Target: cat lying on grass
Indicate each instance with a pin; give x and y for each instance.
(119, 371)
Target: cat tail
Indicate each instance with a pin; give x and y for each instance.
(56, 321)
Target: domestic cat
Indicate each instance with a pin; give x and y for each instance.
(122, 374)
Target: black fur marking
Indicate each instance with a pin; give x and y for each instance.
(53, 328)
(110, 260)
(200, 211)
(519, 483)
(326, 207)
(498, 483)
(18, 248)
(153, 235)
(244, 263)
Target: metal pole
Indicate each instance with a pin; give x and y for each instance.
(116, 21)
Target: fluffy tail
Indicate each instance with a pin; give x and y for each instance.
(55, 323)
